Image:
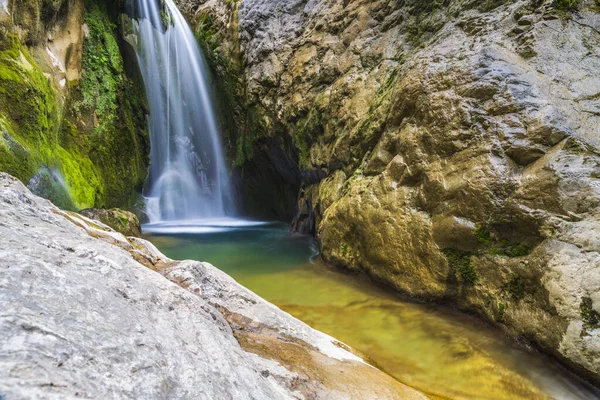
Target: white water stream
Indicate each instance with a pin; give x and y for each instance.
(188, 178)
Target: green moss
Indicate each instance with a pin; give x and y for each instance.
(483, 235)
(205, 33)
(565, 4)
(520, 250)
(29, 116)
(578, 146)
(460, 262)
(46, 185)
(500, 312)
(344, 249)
(111, 146)
(499, 246)
(123, 220)
(27, 99)
(358, 174)
(14, 157)
(83, 177)
(165, 15)
(308, 130)
(516, 287)
(101, 164)
(103, 68)
(245, 143)
(590, 317)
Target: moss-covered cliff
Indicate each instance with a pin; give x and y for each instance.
(69, 105)
(448, 148)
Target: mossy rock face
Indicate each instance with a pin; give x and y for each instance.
(92, 132)
(14, 157)
(27, 99)
(590, 317)
(50, 185)
(121, 221)
(460, 262)
(30, 118)
(108, 111)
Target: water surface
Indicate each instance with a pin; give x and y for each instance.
(443, 353)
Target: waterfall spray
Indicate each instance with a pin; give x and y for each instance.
(188, 178)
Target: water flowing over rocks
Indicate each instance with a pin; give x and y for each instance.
(188, 178)
(87, 312)
(449, 149)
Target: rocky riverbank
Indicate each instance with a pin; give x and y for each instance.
(449, 149)
(87, 312)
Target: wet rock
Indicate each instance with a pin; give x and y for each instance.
(121, 221)
(50, 184)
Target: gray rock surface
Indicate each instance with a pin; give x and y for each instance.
(84, 315)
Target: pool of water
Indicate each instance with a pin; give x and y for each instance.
(441, 352)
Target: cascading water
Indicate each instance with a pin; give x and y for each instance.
(188, 178)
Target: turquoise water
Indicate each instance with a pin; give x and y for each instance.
(443, 353)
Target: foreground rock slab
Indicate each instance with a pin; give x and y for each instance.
(84, 315)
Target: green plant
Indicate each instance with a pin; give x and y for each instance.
(516, 287)
(103, 69)
(590, 317)
(483, 235)
(565, 4)
(501, 312)
(344, 249)
(520, 250)
(499, 246)
(460, 261)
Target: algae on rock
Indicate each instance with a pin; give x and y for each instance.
(109, 111)
(101, 151)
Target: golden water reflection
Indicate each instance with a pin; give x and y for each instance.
(443, 353)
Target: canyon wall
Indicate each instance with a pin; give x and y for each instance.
(449, 149)
(72, 110)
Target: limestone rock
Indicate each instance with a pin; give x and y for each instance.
(90, 132)
(467, 136)
(85, 314)
(121, 221)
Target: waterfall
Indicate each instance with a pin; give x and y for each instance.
(188, 178)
